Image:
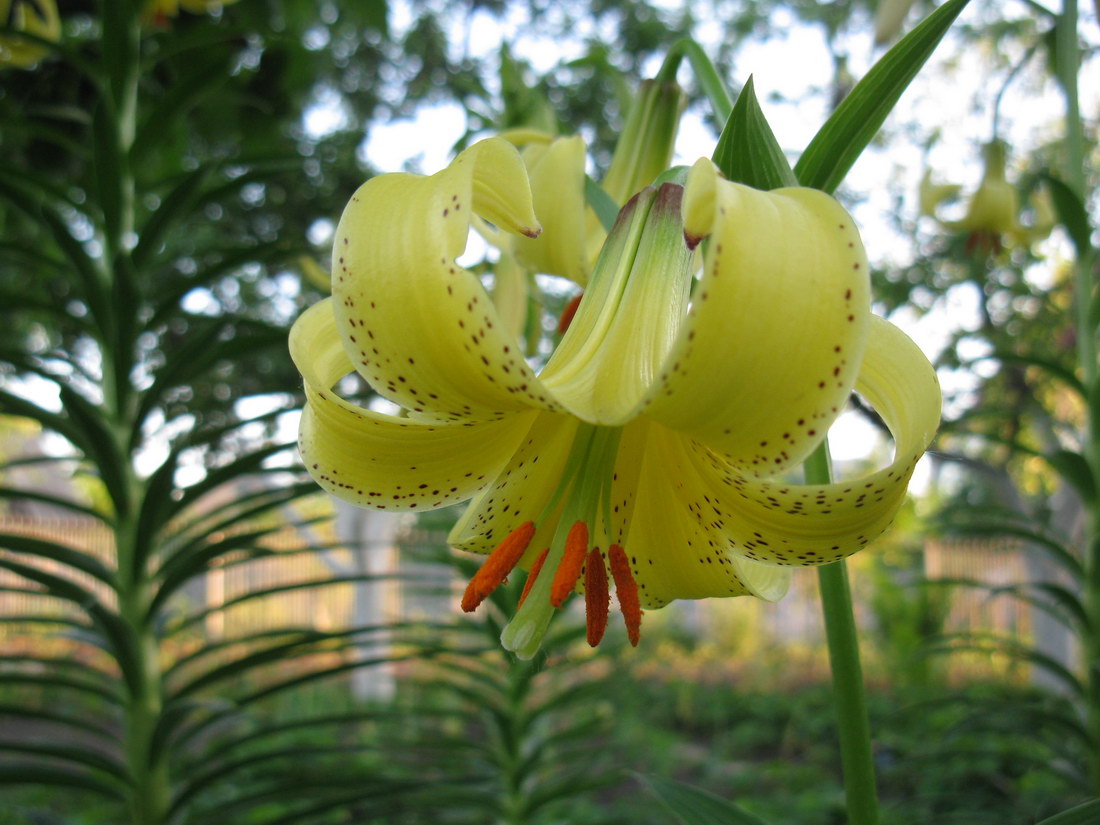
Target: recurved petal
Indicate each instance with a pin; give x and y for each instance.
(418, 327)
(795, 524)
(663, 519)
(384, 461)
(557, 186)
(777, 325)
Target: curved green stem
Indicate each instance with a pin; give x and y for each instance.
(849, 697)
(705, 74)
(996, 129)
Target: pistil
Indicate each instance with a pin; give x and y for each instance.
(536, 568)
(588, 475)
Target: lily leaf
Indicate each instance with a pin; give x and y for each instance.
(747, 151)
(1072, 214)
(1084, 814)
(857, 119)
(602, 203)
(693, 806)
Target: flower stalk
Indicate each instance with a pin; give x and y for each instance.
(849, 695)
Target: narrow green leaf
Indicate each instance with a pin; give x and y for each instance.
(278, 815)
(55, 585)
(181, 97)
(1052, 546)
(208, 343)
(157, 506)
(217, 718)
(1087, 813)
(693, 806)
(230, 472)
(36, 774)
(51, 681)
(601, 203)
(83, 266)
(75, 559)
(91, 724)
(1074, 469)
(747, 151)
(233, 514)
(184, 566)
(707, 77)
(1048, 365)
(270, 591)
(99, 447)
(54, 501)
(201, 780)
(1007, 646)
(1072, 213)
(837, 145)
(167, 300)
(75, 754)
(174, 206)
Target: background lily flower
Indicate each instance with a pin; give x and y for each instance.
(994, 206)
(37, 17)
(652, 450)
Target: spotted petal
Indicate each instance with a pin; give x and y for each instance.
(674, 549)
(797, 524)
(777, 327)
(383, 461)
(418, 327)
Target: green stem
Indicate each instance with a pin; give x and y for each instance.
(1067, 66)
(849, 697)
(150, 797)
(705, 73)
(1004, 88)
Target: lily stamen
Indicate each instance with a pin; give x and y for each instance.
(572, 562)
(568, 313)
(536, 568)
(627, 591)
(597, 599)
(500, 563)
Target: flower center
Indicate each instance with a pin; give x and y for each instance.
(583, 527)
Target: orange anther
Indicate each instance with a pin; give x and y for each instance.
(572, 560)
(500, 563)
(568, 313)
(627, 591)
(597, 601)
(536, 568)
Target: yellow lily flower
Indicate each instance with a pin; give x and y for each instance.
(994, 206)
(651, 450)
(37, 17)
(889, 17)
(161, 10)
(932, 194)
